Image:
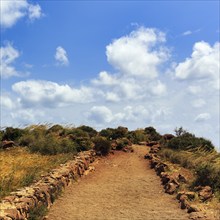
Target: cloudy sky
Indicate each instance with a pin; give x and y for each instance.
(104, 64)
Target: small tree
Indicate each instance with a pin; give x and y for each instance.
(102, 145)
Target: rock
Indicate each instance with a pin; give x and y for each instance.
(154, 162)
(170, 188)
(159, 168)
(152, 143)
(184, 203)
(165, 178)
(189, 195)
(128, 149)
(205, 193)
(192, 208)
(155, 149)
(148, 156)
(8, 144)
(168, 137)
(182, 178)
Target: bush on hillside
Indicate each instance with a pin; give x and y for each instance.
(102, 145)
(12, 134)
(208, 174)
(152, 134)
(119, 132)
(186, 141)
(121, 143)
(107, 133)
(58, 129)
(137, 136)
(89, 130)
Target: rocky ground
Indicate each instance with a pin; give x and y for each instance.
(122, 187)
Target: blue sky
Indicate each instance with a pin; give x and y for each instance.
(110, 63)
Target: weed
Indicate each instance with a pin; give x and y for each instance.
(37, 213)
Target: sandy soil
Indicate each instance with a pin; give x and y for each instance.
(122, 187)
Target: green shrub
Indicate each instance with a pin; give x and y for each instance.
(102, 145)
(152, 134)
(89, 130)
(107, 133)
(119, 132)
(56, 129)
(186, 141)
(83, 143)
(38, 213)
(137, 136)
(12, 134)
(208, 174)
(121, 143)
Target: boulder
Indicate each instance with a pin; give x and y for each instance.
(190, 195)
(8, 144)
(152, 143)
(182, 178)
(171, 187)
(168, 137)
(205, 193)
(192, 208)
(159, 168)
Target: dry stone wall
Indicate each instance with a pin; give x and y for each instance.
(42, 193)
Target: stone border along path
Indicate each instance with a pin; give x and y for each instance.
(123, 187)
(19, 204)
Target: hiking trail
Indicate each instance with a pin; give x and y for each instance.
(122, 187)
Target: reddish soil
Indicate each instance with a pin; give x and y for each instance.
(122, 187)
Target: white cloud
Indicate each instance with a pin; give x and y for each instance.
(203, 63)
(187, 33)
(8, 54)
(202, 117)
(138, 54)
(112, 97)
(61, 56)
(12, 11)
(194, 89)
(198, 103)
(34, 12)
(100, 114)
(127, 98)
(6, 102)
(27, 115)
(49, 94)
(105, 79)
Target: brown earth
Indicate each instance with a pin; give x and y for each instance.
(122, 187)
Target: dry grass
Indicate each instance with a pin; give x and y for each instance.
(205, 164)
(19, 167)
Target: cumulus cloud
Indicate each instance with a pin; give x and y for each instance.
(138, 54)
(61, 56)
(202, 117)
(8, 54)
(49, 94)
(100, 114)
(12, 11)
(133, 98)
(35, 12)
(203, 63)
(6, 102)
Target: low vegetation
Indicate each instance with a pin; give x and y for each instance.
(196, 154)
(44, 147)
(19, 167)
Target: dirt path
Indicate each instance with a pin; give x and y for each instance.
(123, 187)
